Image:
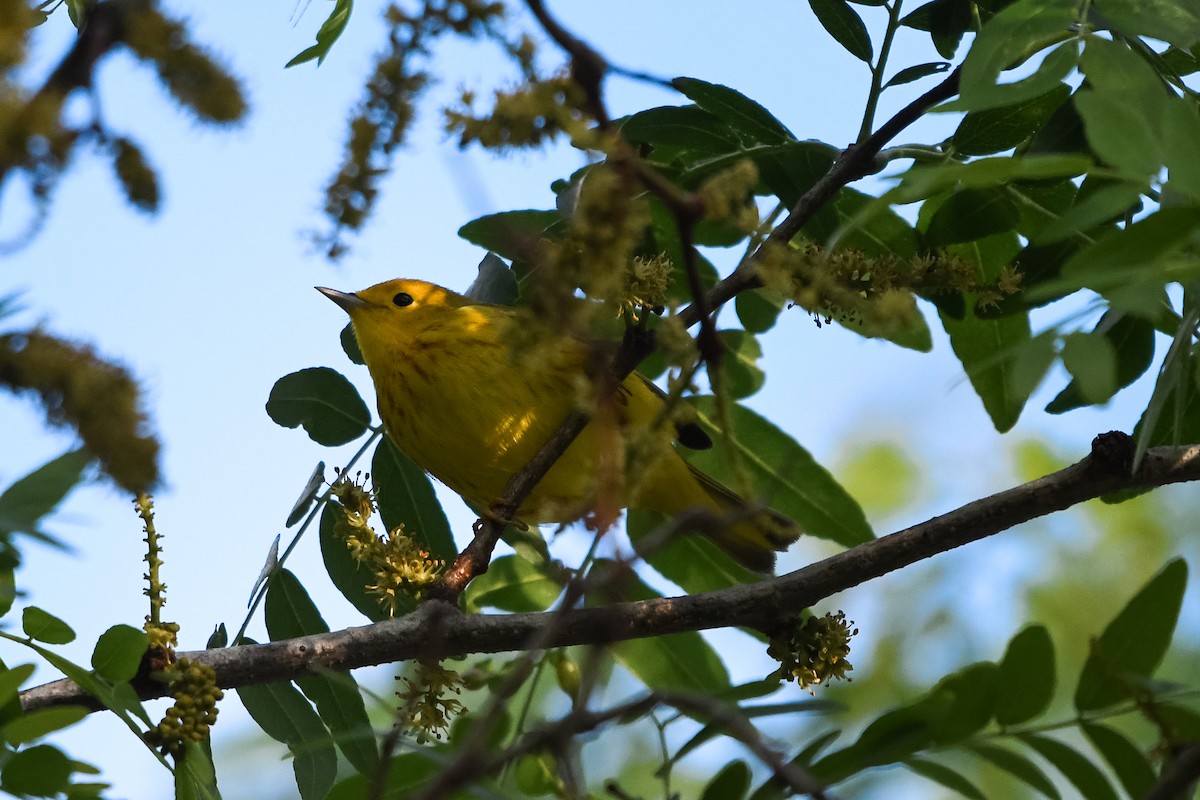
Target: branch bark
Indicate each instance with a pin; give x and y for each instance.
(437, 629)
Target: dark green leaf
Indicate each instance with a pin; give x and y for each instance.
(513, 583)
(509, 234)
(1019, 767)
(739, 364)
(845, 26)
(790, 170)
(118, 652)
(406, 774)
(1129, 763)
(783, 473)
(988, 349)
(405, 497)
(496, 284)
(1132, 338)
(329, 32)
(36, 495)
(758, 309)
(195, 775)
(350, 578)
(218, 638)
(1076, 768)
(756, 124)
(678, 661)
(945, 20)
(971, 214)
(962, 704)
(688, 560)
(731, 783)
(916, 72)
(1062, 133)
(1026, 676)
(894, 736)
(43, 627)
(10, 685)
(940, 773)
(8, 589)
(284, 715)
(289, 613)
(41, 771)
(1180, 61)
(688, 127)
(1135, 641)
(998, 129)
(33, 725)
(350, 345)
(307, 495)
(324, 402)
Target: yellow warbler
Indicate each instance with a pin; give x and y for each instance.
(471, 397)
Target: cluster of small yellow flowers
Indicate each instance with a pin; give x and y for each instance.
(524, 117)
(425, 713)
(1008, 283)
(403, 571)
(646, 283)
(161, 635)
(814, 651)
(728, 196)
(194, 687)
(98, 398)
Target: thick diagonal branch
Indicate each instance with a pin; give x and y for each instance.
(437, 630)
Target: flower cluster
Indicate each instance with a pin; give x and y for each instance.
(194, 687)
(425, 712)
(814, 651)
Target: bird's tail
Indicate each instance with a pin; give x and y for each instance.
(755, 533)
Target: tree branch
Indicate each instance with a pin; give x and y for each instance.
(438, 630)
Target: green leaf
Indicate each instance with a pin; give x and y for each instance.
(916, 72)
(350, 578)
(730, 783)
(1135, 642)
(940, 773)
(962, 703)
(43, 627)
(406, 773)
(678, 661)
(690, 561)
(41, 771)
(38, 493)
(508, 234)
(758, 309)
(36, 724)
(324, 402)
(689, 127)
(1076, 768)
(845, 26)
(307, 495)
(971, 214)
(195, 775)
(894, 736)
(945, 20)
(329, 32)
(350, 345)
(1026, 676)
(1132, 339)
(987, 349)
(10, 686)
(8, 589)
(982, 133)
(284, 715)
(406, 497)
(1018, 766)
(755, 124)
(790, 170)
(1006, 40)
(289, 612)
(118, 653)
(782, 472)
(739, 364)
(1167, 20)
(1092, 362)
(513, 583)
(1128, 762)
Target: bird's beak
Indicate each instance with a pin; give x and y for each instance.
(348, 302)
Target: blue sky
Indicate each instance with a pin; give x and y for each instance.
(211, 301)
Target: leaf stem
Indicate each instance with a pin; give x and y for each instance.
(877, 69)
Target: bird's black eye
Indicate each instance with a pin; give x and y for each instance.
(402, 299)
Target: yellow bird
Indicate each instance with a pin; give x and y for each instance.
(461, 395)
